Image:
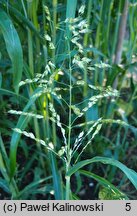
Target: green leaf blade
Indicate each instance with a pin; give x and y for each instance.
(131, 175)
(13, 46)
(21, 124)
(105, 183)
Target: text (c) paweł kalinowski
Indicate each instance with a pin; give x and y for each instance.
(97, 207)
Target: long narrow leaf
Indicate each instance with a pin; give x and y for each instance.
(22, 123)
(70, 13)
(56, 178)
(131, 174)
(13, 46)
(4, 153)
(33, 185)
(22, 19)
(10, 93)
(117, 193)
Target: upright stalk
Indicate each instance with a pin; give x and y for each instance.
(121, 34)
(36, 24)
(115, 33)
(85, 42)
(53, 60)
(97, 40)
(69, 128)
(87, 35)
(54, 27)
(119, 46)
(32, 16)
(70, 13)
(108, 27)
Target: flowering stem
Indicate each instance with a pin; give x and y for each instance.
(69, 127)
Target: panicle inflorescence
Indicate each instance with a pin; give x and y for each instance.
(48, 84)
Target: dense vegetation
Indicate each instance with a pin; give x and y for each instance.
(68, 91)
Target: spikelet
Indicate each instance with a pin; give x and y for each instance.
(97, 130)
(49, 146)
(48, 16)
(81, 137)
(15, 112)
(56, 118)
(108, 92)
